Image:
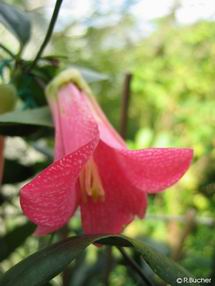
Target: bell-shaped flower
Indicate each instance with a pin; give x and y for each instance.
(93, 169)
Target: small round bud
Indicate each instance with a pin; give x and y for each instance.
(8, 97)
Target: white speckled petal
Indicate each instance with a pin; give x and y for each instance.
(74, 122)
(50, 199)
(155, 169)
(122, 201)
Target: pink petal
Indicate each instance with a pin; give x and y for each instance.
(153, 170)
(74, 123)
(1, 157)
(50, 199)
(122, 201)
(107, 133)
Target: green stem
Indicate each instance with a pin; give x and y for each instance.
(109, 265)
(126, 94)
(7, 51)
(49, 32)
(134, 266)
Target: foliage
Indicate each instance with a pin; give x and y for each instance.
(172, 104)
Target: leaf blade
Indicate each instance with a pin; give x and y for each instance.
(16, 21)
(22, 122)
(51, 261)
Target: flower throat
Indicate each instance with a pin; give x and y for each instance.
(90, 182)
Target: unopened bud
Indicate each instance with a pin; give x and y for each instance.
(8, 97)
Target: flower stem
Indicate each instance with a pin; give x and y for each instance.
(109, 265)
(134, 266)
(63, 234)
(126, 94)
(7, 51)
(49, 32)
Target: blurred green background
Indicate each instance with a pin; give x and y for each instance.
(172, 104)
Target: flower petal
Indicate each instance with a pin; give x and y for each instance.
(73, 120)
(51, 198)
(107, 132)
(121, 203)
(155, 169)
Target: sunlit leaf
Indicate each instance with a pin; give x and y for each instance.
(25, 122)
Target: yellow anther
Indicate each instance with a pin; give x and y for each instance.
(90, 182)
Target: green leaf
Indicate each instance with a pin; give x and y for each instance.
(31, 87)
(22, 172)
(14, 239)
(52, 260)
(90, 75)
(16, 21)
(25, 122)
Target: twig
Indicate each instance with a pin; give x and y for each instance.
(109, 265)
(134, 266)
(7, 51)
(209, 221)
(49, 32)
(63, 233)
(190, 223)
(126, 94)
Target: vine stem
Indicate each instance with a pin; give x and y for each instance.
(134, 266)
(49, 32)
(7, 50)
(126, 95)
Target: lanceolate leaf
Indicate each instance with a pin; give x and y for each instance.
(24, 122)
(16, 21)
(52, 260)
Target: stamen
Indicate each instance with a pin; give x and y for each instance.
(90, 182)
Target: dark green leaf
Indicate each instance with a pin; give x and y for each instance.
(22, 172)
(47, 263)
(14, 239)
(2, 199)
(25, 122)
(16, 21)
(31, 86)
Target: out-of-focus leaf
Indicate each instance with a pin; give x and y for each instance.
(91, 76)
(2, 199)
(31, 86)
(25, 122)
(52, 260)
(14, 239)
(14, 172)
(4, 64)
(16, 21)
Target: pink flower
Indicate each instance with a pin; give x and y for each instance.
(93, 168)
